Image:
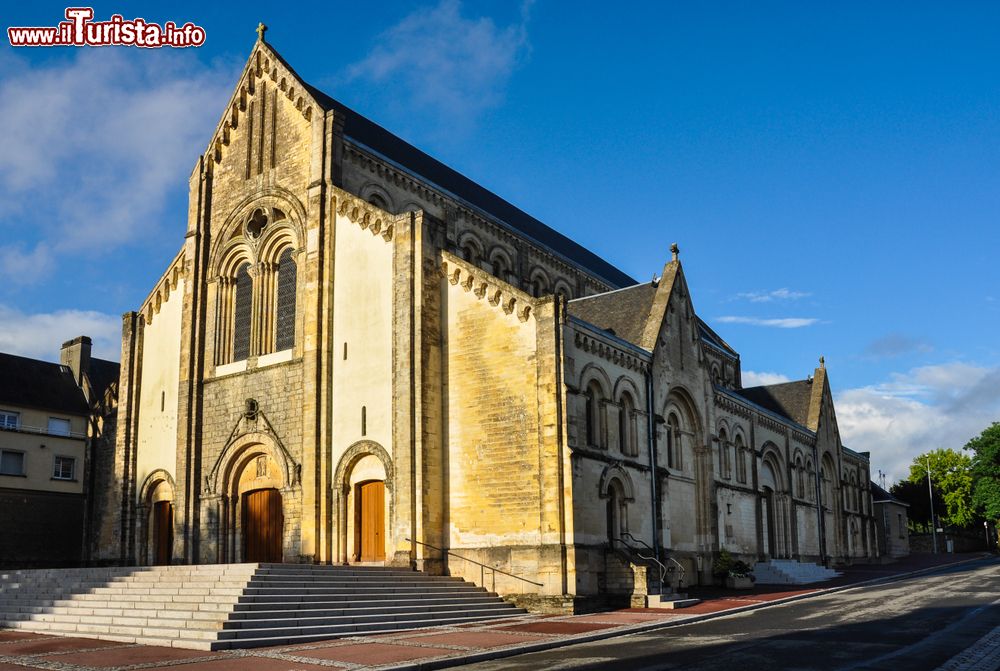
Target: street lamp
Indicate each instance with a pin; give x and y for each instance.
(930, 496)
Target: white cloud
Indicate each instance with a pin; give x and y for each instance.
(93, 144)
(896, 344)
(781, 322)
(40, 335)
(23, 266)
(783, 294)
(437, 60)
(926, 408)
(755, 379)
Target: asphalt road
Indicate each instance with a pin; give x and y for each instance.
(911, 624)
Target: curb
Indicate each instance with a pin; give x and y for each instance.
(501, 653)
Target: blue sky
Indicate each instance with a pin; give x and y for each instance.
(830, 174)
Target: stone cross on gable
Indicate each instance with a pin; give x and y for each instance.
(261, 29)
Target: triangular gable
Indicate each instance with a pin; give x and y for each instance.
(263, 62)
(672, 283)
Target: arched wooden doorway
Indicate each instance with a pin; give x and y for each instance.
(263, 523)
(370, 522)
(163, 532)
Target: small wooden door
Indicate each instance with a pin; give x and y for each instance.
(263, 523)
(163, 532)
(372, 522)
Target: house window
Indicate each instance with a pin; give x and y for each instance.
(900, 525)
(64, 468)
(11, 463)
(58, 426)
(8, 420)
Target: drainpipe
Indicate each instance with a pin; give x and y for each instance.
(651, 430)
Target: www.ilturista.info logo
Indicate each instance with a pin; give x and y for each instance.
(80, 30)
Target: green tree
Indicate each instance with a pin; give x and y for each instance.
(914, 494)
(951, 475)
(986, 471)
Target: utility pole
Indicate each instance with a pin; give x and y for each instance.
(930, 496)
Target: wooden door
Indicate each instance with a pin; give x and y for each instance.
(372, 497)
(163, 532)
(263, 523)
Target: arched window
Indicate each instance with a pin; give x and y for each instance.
(617, 511)
(539, 285)
(241, 313)
(501, 268)
(285, 319)
(674, 442)
(723, 454)
(378, 201)
(800, 485)
(471, 250)
(741, 459)
(811, 480)
(595, 412)
(626, 426)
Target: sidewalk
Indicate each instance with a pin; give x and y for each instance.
(439, 647)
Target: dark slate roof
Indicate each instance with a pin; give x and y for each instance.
(712, 337)
(102, 374)
(39, 384)
(789, 399)
(623, 312)
(879, 494)
(368, 133)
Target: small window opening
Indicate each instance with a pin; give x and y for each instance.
(364, 421)
(345, 351)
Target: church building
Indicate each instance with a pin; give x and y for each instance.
(360, 355)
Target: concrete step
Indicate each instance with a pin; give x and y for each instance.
(242, 611)
(242, 606)
(236, 638)
(350, 616)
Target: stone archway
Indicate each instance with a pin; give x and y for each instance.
(253, 481)
(363, 485)
(156, 519)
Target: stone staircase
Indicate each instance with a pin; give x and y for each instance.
(217, 607)
(791, 572)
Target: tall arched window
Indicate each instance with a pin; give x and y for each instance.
(810, 480)
(241, 313)
(626, 426)
(673, 442)
(285, 319)
(539, 284)
(595, 414)
(723, 454)
(800, 473)
(741, 459)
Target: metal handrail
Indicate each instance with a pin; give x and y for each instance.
(663, 568)
(482, 566)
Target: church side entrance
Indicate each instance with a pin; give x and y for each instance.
(263, 522)
(371, 521)
(163, 532)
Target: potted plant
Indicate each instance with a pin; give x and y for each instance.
(740, 576)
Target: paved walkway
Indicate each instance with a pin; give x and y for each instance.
(427, 648)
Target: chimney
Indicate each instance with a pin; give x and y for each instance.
(75, 354)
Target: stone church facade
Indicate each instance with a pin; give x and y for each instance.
(359, 355)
